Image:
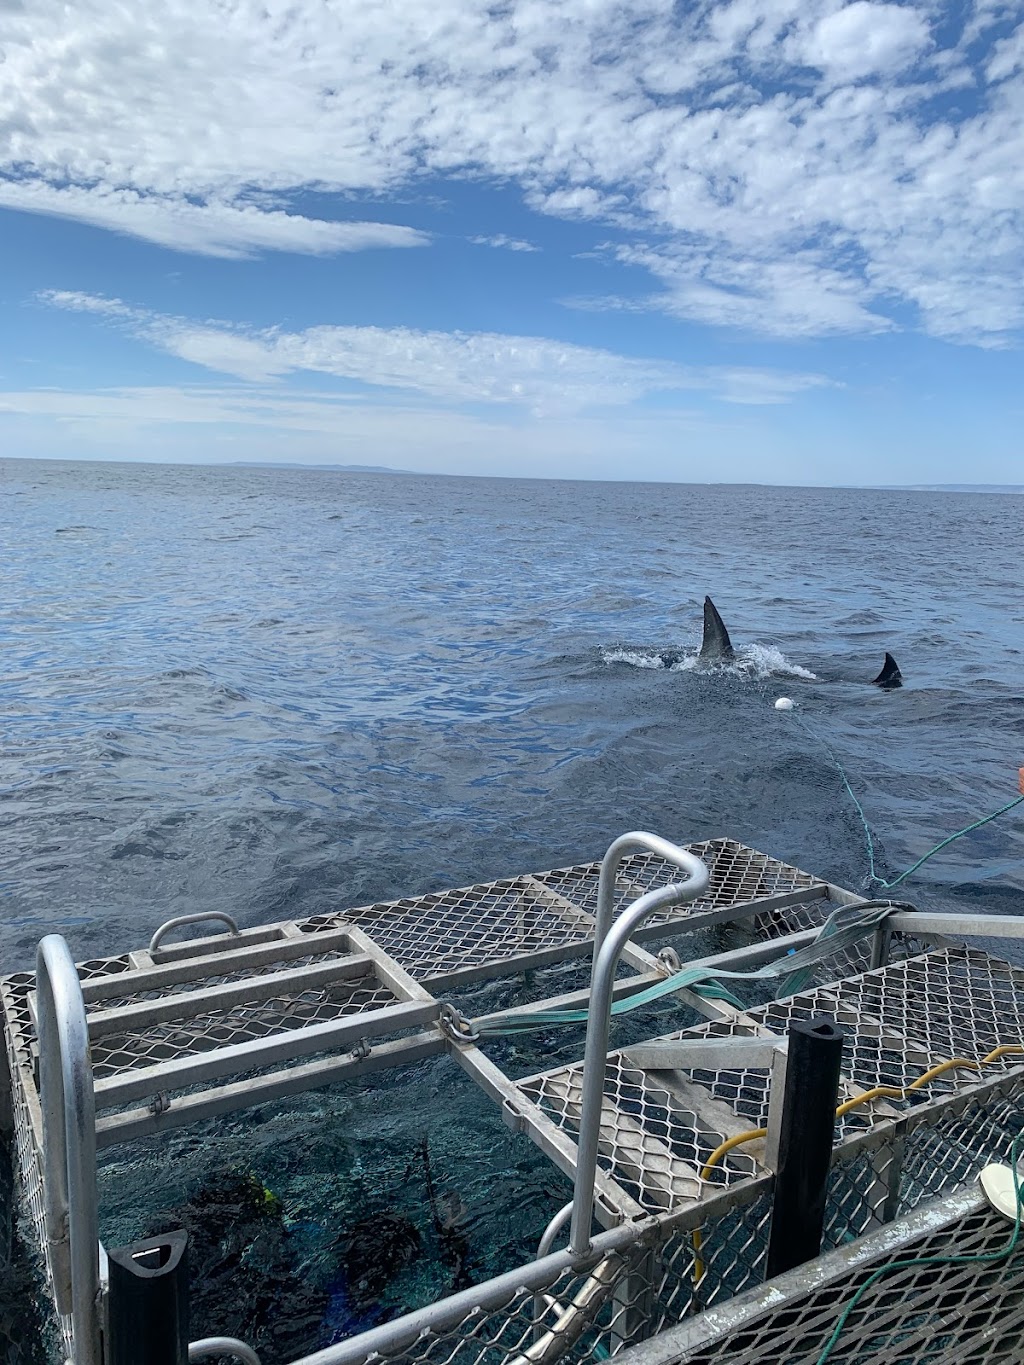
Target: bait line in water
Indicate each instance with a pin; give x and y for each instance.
(874, 879)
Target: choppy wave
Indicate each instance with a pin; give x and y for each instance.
(752, 660)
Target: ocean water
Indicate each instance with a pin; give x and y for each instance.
(280, 692)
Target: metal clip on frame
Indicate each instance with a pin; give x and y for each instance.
(609, 940)
(69, 1145)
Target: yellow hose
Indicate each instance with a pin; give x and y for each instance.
(879, 1092)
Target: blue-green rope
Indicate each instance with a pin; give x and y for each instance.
(874, 878)
(980, 1258)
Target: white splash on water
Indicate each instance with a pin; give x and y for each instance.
(636, 658)
(767, 661)
(750, 661)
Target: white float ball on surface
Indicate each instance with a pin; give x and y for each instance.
(784, 704)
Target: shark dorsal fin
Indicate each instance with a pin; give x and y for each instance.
(716, 643)
(890, 675)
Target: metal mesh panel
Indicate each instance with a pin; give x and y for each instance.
(650, 1144)
(902, 1020)
(792, 919)
(861, 1193)
(971, 1313)
(575, 1317)
(103, 966)
(116, 1053)
(214, 978)
(958, 1002)
(723, 1257)
(946, 1149)
(27, 1157)
(448, 931)
(738, 875)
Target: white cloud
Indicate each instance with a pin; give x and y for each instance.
(794, 298)
(1008, 57)
(501, 239)
(533, 373)
(866, 39)
(211, 229)
(746, 137)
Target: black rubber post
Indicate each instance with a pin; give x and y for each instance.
(148, 1316)
(805, 1142)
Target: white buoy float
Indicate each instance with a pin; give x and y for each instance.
(784, 704)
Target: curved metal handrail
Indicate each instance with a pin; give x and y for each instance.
(609, 941)
(69, 1145)
(547, 1237)
(222, 1346)
(636, 841)
(168, 925)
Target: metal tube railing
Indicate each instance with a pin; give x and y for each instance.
(610, 939)
(181, 920)
(637, 841)
(69, 1145)
(222, 1346)
(392, 1338)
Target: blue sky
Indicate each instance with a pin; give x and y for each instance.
(775, 240)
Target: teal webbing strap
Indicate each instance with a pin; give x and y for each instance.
(843, 928)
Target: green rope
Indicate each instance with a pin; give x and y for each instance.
(940, 846)
(875, 879)
(977, 1259)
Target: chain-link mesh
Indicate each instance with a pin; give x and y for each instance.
(26, 1157)
(447, 931)
(738, 874)
(968, 1313)
(649, 1144)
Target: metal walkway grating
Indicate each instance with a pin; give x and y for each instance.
(738, 875)
(449, 933)
(120, 1052)
(650, 1144)
(902, 1020)
(543, 917)
(163, 1027)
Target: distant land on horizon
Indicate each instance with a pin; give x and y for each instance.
(882, 487)
(1006, 488)
(956, 487)
(298, 464)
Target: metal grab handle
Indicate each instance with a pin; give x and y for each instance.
(168, 925)
(609, 942)
(69, 1145)
(222, 1346)
(636, 841)
(547, 1237)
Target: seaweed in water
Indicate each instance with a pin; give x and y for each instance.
(377, 1249)
(448, 1214)
(244, 1281)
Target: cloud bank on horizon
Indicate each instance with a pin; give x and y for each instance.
(786, 173)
